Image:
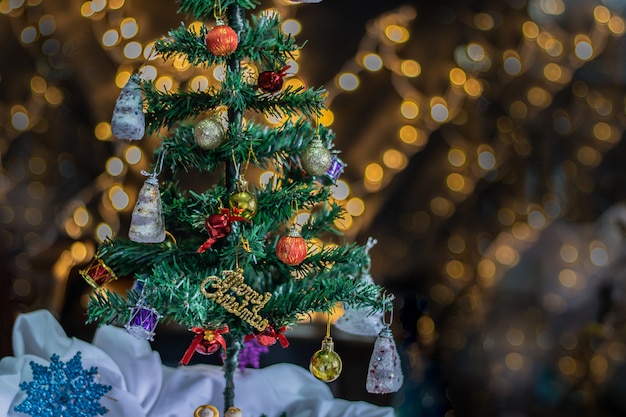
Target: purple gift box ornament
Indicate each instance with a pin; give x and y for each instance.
(143, 321)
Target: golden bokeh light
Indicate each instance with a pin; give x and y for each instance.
(410, 68)
(409, 109)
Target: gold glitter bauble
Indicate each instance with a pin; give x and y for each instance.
(316, 159)
(325, 363)
(210, 132)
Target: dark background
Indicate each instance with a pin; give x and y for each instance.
(458, 331)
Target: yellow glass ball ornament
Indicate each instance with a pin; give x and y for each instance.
(326, 363)
(242, 202)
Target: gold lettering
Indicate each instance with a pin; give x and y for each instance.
(233, 281)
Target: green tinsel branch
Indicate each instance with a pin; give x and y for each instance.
(322, 220)
(280, 146)
(185, 43)
(165, 109)
(207, 9)
(264, 41)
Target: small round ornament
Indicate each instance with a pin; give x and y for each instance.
(221, 40)
(326, 364)
(242, 202)
(316, 159)
(271, 81)
(210, 133)
(291, 249)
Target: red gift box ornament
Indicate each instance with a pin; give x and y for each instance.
(97, 273)
(218, 226)
(206, 342)
(269, 336)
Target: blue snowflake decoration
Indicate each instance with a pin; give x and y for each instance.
(63, 390)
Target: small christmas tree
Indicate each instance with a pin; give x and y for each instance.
(235, 265)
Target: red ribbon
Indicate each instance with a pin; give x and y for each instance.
(269, 336)
(218, 226)
(212, 337)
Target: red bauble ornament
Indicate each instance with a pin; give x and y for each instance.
(271, 81)
(222, 40)
(291, 248)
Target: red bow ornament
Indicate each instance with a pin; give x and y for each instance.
(218, 226)
(206, 342)
(269, 336)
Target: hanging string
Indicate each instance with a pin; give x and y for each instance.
(250, 153)
(158, 167)
(327, 325)
(235, 164)
(218, 12)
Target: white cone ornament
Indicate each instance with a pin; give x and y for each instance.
(128, 121)
(384, 374)
(147, 225)
(360, 321)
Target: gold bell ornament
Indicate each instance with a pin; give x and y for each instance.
(147, 224)
(326, 364)
(384, 374)
(242, 202)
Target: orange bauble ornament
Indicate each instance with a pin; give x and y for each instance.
(222, 40)
(291, 248)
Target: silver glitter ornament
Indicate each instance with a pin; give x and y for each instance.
(316, 159)
(384, 374)
(147, 225)
(128, 121)
(210, 132)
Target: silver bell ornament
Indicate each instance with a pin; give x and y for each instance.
(384, 374)
(210, 133)
(147, 224)
(128, 121)
(316, 159)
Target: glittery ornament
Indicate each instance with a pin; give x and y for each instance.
(147, 224)
(243, 203)
(128, 121)
(385, 372)
(271, 81)
(291, 249)
(316, 159)
(97, 273)
(210, 133)
(326, 364)
(143, 321)
(222, 40)
(62, 390)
